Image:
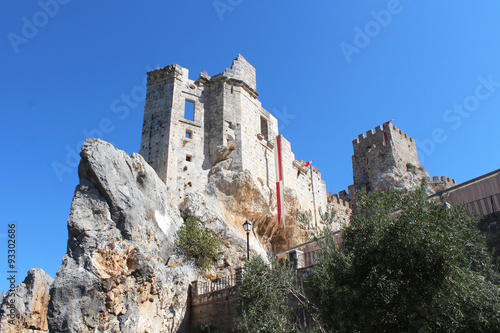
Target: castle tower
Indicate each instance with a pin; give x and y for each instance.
(388, 148)
(190, 126)
(193, 129)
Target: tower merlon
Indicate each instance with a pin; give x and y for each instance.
(401, 133)
(166, 73)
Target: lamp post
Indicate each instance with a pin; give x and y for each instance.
(248, 226)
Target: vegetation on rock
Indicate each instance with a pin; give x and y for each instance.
(198, 243)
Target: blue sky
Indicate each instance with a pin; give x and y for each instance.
(328, 70)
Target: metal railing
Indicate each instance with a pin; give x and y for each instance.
(216, 285)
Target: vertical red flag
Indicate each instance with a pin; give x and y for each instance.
(385, 133)
(279, 179)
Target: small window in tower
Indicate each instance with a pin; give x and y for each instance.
(189, 134)
(189, 158)
(263, 128)
(189, 110)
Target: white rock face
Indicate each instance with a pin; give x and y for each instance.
(234, 248)
(121, 229)
(121, 272)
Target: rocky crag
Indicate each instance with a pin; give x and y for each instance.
(25, 308)
(121, 272)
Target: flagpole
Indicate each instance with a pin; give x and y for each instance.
(314, 197)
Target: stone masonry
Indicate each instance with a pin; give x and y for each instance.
(228, 125)
(387, 159)
(229, 129)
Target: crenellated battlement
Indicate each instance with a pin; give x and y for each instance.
(377, 137)
(443, 179)
(370, 137)
(399, 134)
(340, 201)
(380, 150)
(440, 184)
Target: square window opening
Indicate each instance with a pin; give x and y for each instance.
(189, 110)
(189, 134)
(189, 158)
(263, 128)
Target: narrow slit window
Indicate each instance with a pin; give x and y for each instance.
(189, 110)
(263, 128)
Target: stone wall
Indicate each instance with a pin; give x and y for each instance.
(387, 159)
(216, 308)
(377, 152)
(230, 125)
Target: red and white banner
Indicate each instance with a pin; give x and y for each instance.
(385, 133)
(279, 180)
(305, 165)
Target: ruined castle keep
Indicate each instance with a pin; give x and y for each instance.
(191, 128)
(194, 128)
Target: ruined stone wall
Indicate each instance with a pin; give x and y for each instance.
(342, 209)
(172, 144)
(298, 178)
(229, 125)
(156, 124)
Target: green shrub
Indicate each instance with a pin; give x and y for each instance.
(410, 167)
(198, 243)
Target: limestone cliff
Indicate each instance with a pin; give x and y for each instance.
(122, 272)
(24, 309)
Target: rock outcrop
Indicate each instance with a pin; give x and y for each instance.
(239, 198)
(116, 275)
(24, 309)
(122, 272)
(233, 252)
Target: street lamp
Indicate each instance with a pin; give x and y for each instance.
(248, 226)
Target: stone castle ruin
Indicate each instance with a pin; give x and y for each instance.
(387, 159)
(207, 151)
(193, 129)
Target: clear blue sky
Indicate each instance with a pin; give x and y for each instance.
(434, 66)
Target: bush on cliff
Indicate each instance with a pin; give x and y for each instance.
(198, 243)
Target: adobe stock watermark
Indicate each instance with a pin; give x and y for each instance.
(223, 6)
(283, 118)
(12, 260)
(455, 115)
(31, 26)
(120, 107)
(373, 28)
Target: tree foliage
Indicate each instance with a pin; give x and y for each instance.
(313, 231)
(266, 292)
(198, 243)
(406, 266)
